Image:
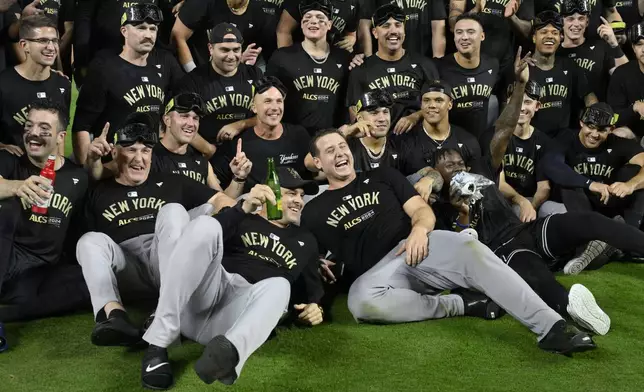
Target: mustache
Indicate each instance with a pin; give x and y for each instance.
(147, 40)
(396, 35)
(36, 139)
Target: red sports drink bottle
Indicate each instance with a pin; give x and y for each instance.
(49, 173)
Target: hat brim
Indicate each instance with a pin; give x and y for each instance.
(310, 187)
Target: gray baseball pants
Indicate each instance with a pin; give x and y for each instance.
(393, 292)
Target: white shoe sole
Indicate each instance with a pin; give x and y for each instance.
(584, 310)
(574, 266)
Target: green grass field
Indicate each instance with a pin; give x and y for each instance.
(459, 354)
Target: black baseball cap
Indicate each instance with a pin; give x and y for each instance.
(138, 127)
(324, 6)
(636, 32)
(373, 100)
(546, 18)
(569, 7)
(218, 33)
(142, 12)
(387, 11)
(438, 86)
(262, 85)
(186, 102)
(290, 179)
(600, 114)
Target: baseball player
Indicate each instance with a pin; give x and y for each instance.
(231, 300)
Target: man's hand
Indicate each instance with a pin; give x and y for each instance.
(405, 124)
(32, 9)
(602, 190)
(359, 129)
(424, 188)
(310, 314)
(347, 42)
(527, 212)
(621, 189)
(638, 107)
(325, 271)
(511, 8)
(6, 4)
(357, 61)
(99, 146)
(521, 70)
(227, 132)
(35, 190)
(607, 34)
(479, 6)
(177, 8)
(240, 165)
(15, 150)
(416, 246)
(250, 55)
(259, 195)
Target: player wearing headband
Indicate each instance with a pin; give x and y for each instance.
(565, 86)
(136, 81)
(522, 180)
(226, 86)
(314, 71)
(626, 87)
(343, 18)
(598, 58)
(399, 71)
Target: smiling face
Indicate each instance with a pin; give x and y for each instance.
(42, 46)
(592, 136)
(390, 35)
(468, 35)
(269, 107)
(435, 107)
(140, 38)
(449, 165)
(41, 134)
(334, 158)
(638, 49)
(547, 40)
(380, 118)
(529, 107)
(133, 163)
(182, 126)
(226, 56)
(315, 25)
(575, 26)
(292, 205)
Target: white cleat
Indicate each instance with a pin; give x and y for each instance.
(583, 309)
(471, 232)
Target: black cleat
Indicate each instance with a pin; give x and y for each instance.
(478, 305)
(218, 361)
(156, 372)
(116, 331)
(563, 340)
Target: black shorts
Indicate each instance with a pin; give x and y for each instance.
(532, 238)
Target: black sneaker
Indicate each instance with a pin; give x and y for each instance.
(565, 340)
(478, 305)
(218, 361)
(117, 330)
(4, 345)
(156, 372)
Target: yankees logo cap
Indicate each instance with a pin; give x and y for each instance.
(291, 179)
(218, 34)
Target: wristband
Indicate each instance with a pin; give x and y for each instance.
(462, 226)
(587, 184)
(617, 52)
(239, 180)
(190, 66)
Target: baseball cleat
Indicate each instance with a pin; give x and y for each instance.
(116, 331)
(4, 345)
(478, 305)
(597, 252)
(156, 372)
(583, 309)
(218, 361)
(563, 340)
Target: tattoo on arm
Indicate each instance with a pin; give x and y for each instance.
(434, 175)
(505, 125)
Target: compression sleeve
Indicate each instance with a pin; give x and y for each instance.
(554, 167)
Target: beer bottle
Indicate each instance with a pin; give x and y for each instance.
(48, 172)
(273, 211)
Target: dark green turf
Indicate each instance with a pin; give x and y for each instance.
(459, 354)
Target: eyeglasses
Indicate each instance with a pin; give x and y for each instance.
(187, 102)
(44, 41)
(382, 14)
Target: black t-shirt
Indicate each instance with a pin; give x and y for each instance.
(124, 212)
(289, 150)
(315, 91)
(418, 28)
(257, 25)
(471, 89)
(17, 94)
(521, 162)
(106, 22)
(365, 160)
(595, 59)
(192, 164)
(345, 18)
(418, 143)
(627, 87)
(43, 236)
(563, 87)
(363, 221)
(116, 88)
(403, 79)
(59, 11)
(599, 164)
(259, 250)
(228, 99)
(7, 18)
(597, 8)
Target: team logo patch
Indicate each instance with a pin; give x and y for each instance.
(181, 165)
(489, 71)
(62, 90)
(549, 80)
(519, 149)
(538, 146)
(301, 243)
(592, 159)
(414, 65)
(347, 197)
(159, 184)
(352, 7)
(395, 156)
(144, 79)
(159, 66)
(159, 75)
(592, 48)
(565, 72)
(317, 70)
(471, 80)
(250, 25)
(610, 150)
(132, 194)
(391, 70)
(41, 95)
(366, 181)
(572, 55)
(339, 65)
(75, 180)
(274, 237)
(198, 162)
(230, 88)
(460, 145)
(250, 81)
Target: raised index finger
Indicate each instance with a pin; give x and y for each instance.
(106, 129)
(604, 21)
(239, 147)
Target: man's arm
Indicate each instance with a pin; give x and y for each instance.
(285, 29)
(9, 188)
(612, 15)
(456, 9)
(364, 36)
(542, 194)
(505, 125)
(439, 42)
(80, 144)
(527, 213)
(180, 35)
(623, 189)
